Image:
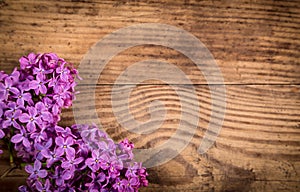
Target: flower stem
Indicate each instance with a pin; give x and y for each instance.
(10, 149)
(11, 157)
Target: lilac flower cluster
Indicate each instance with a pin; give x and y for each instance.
(31, 101)
(84, 158)
(76, 158)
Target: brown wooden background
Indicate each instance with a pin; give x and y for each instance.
(257, 47)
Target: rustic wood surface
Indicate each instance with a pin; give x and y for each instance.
(256, 46)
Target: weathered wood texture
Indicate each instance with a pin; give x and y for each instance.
(256, 46)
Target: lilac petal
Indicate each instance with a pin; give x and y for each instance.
(39, 186)
(18, 92)
(23, 62)
(33, 84)
(70, 157)
(39, 156)
(47, 184)
(59, 141)
(17, 114)
(59, 129)
(70, 151)
(47, 116)
(29, 169)
(42, 173)
(3, 95)
(2, 134)
(31, 127)
(8, 82)
(52, 82)
(56, 118)
(32, 111)
(12, 105)
(123, 157)
(2, 87)
(59, 181)
(37, 165)
(78, 160)
(40, 106)
(43, 89)
(17, 138)
(105, 157)
(27, 96)
(15, 75)
(59, 100)
(32, 176)
(102, 145)
(59, 151)
(36, 91)
(38, 146)
(101, 177)
(24, 118)
(32, 57)
(20, 101)
(49, 143)
(23, 188)
(59, 69)
(46, 154)
(55, 109)
(50, 162)
(85, 134)
(89, 161)
(36, 70)
(64, 77)
(25, 84)
(133, 181)
(66, 165)
(39, 122)
(1, 111)
(6, 123)
(48, 71)
(16, 125)
(95, 154)
(26, 142)
(67, 175)
(69, 141)
(14, 90)
(39, 79)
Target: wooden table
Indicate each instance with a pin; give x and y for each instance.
(256, 46)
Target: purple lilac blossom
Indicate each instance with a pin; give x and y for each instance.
(32, 119)
(7, 88)
(36, 171)
(21, 137)
(76, 158)
(11, 119)
(43, 187)
(64, 146)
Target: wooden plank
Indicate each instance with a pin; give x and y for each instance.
(256, 46)
(257, 148)
(253, 42)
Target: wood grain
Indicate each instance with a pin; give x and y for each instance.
(256, 46)
(251, 40)
(259, 142)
